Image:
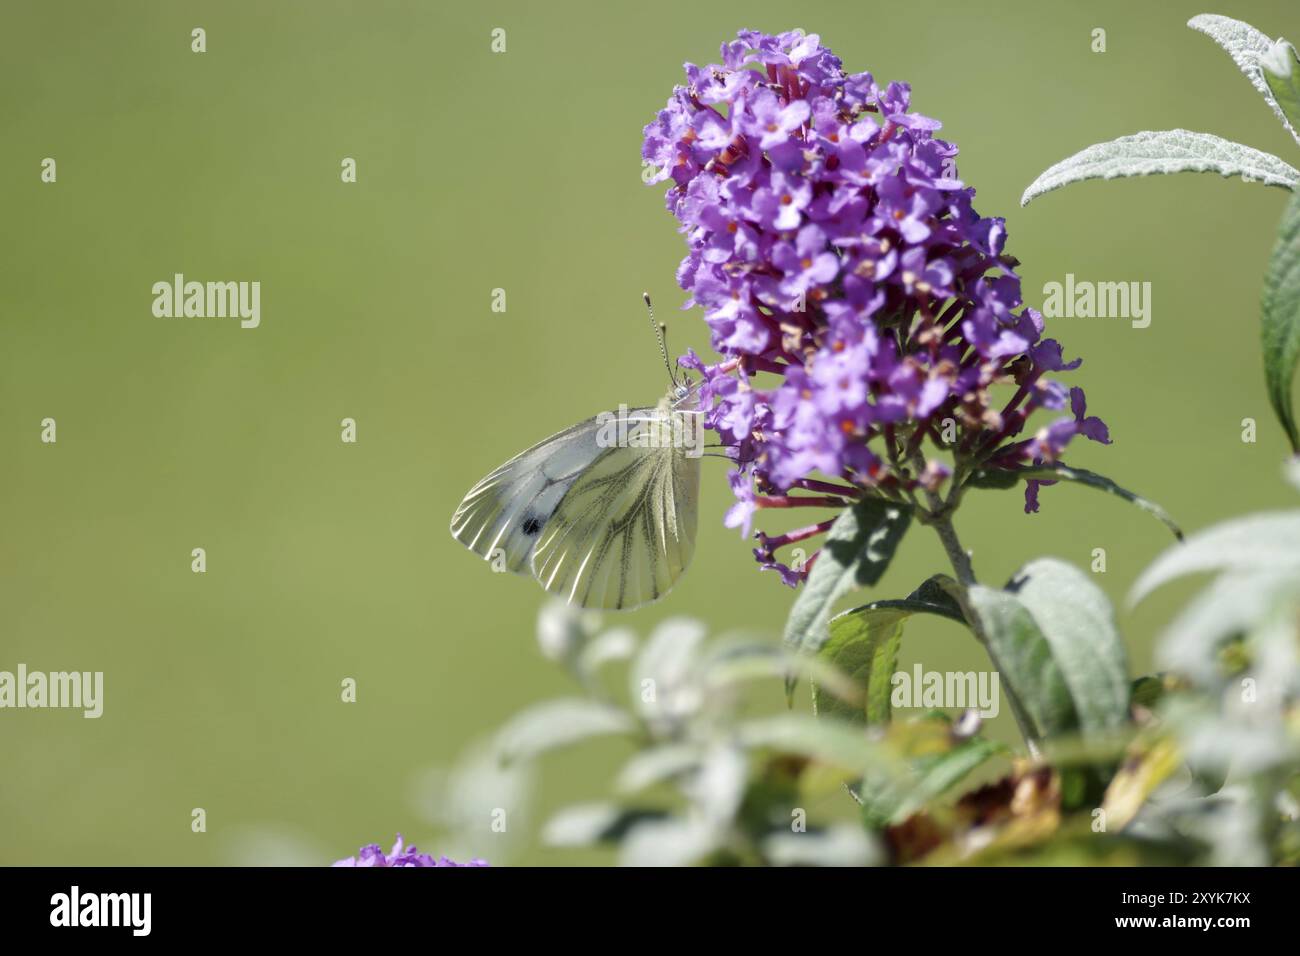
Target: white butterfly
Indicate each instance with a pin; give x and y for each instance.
(603, 513)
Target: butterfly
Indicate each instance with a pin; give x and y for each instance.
(603, 513)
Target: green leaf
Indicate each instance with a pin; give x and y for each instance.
(730, 664)
(1076, 619)
(994, 478)
(611, 646)
(841, 844)
(1148, 690)
(864, 645)
(1166, 151)
(1024, 659)
(656, 765)
(1007, 478)
(666, 659)
(831, 742)
(589, 824)
(1076, 845)
(1279, 68)
(886, 802)
(1249, 49)
(558, 723)
(1260, 542)
(563, 630)
(1235, 603)
(1215, 743)
(857, 551)
(932, 597)
(670, 841)
(1280, 318)
(1052, 635)
(1074, 751)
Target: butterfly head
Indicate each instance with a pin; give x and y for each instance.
(685, 394)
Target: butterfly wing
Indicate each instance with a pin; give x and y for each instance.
(624, 531)
(503, 515)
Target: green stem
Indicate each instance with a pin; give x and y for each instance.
(957, 555)
(961, 565)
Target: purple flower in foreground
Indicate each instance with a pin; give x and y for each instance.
(400, 855)
(866, 313)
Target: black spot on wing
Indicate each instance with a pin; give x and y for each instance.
(532, 524)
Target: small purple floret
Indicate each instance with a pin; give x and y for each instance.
(400, 855)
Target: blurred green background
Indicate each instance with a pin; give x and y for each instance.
(479, 171)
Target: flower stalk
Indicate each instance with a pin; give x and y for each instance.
(959, 558)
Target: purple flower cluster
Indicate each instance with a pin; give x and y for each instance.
(863, 307)
(400, 855)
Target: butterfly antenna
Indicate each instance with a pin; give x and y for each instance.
(661, 333)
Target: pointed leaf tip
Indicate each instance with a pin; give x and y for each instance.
(1250, 50)
(1162, 152)
(1008, 477)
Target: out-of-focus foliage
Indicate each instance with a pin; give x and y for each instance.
(1198, 764)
